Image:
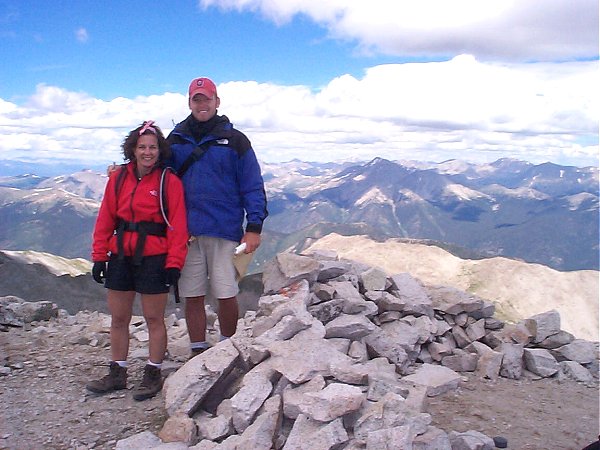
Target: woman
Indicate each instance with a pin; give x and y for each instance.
(141, 232)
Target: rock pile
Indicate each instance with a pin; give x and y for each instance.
(338, 355)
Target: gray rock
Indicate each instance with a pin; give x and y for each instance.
(579, 350)
(179, 428)
(454, 301)
(145, 439)
(15, 311)
(546, 324)
(389, 412)
(299, 359)
(486, 312)
(489, 362)
(248, 399)
(327, 311)
(512, 360)
(293, 396)
(411, 294)
(557, 340)
(213, 428)
(461, 361)
(460, 336)
(432, 439)
(287, 268)
(492, 323)
(336, 400)
(391, 438)
(324, 292)
(260, 435)
(437, 379)
(358, 351)
(372, 279)
(378, 345)
(540, 362)
(439, 350)
(186, 389)
(471, 440)
(310, 434)
(476, 331)
(574, 371)
(332, 269)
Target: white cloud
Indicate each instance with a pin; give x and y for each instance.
(462, 108)
(456, 109)
(56, 124)
(81, 35)
(489, 29)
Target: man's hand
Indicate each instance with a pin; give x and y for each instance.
(252, 241)
(111, 169)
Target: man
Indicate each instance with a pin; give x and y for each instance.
(224, 191)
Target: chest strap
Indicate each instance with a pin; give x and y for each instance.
(143, 229)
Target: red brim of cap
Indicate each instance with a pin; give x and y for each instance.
(206, 92)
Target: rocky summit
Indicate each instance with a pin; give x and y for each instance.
(335, 355)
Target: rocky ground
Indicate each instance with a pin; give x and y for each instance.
(45, 404)
(542, 414)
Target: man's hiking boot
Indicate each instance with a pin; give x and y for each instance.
(115, 380)
(151, 383)
(198, 351)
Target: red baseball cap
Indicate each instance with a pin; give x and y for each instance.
(203, 86)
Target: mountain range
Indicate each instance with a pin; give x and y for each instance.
(543, 213)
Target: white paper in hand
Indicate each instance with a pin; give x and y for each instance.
(241, 260)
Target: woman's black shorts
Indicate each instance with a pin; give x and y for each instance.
(148, 278)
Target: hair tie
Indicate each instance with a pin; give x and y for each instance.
(148, 125)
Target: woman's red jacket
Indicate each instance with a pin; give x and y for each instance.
(139, 201)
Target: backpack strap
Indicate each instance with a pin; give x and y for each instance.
(164, 205)
(196, 155)
(143, 229)
(120, 179)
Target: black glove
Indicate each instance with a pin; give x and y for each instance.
(172, 276)
(99, 271)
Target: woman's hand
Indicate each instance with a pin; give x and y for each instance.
(99, 272)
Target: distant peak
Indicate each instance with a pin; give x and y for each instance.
(377, 160)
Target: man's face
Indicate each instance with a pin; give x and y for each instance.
(204, 108)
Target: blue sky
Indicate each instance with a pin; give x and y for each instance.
(130, 48)
(432, 80)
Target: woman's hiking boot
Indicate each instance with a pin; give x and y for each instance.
(115, 380)
(151, 384)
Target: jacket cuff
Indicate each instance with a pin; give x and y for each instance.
(254, 228)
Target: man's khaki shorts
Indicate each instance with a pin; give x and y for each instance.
(209, 265)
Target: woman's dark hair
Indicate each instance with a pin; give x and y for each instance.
(130, 142)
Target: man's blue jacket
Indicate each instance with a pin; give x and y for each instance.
(223, 184)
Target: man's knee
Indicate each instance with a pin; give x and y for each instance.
(194, 303)
(230, 301)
